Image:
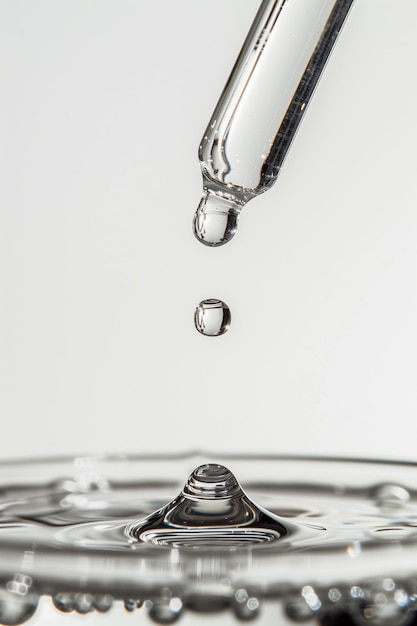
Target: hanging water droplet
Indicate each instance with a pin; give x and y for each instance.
(215, 221)
(211, 511)
(212, 317)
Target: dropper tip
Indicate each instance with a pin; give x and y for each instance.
(215, 221)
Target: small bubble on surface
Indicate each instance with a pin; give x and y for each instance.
(212, 317)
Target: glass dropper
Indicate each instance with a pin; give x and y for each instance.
(258, 114)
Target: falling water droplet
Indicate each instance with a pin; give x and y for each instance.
(212, 317)
(211, 511)
(215, 221)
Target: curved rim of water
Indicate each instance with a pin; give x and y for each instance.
(202, 453)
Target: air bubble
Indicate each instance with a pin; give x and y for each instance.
(215, 221)
(311, 598)
(103, 602)
(16, 609)
(212, 318)
(131, 605)
(245, 606)
(335, 595)
(166, 609)
(83, 602)
(64, 602)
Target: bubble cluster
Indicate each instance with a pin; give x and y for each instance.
(82, 603)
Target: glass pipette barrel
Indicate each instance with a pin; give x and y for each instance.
(258, 114)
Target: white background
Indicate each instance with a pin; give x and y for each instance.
(103, 106)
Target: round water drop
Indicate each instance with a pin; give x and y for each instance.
(212, 317)
(216, 218)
